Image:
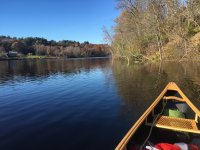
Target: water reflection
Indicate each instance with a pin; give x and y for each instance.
(57, 104)
(49, 104)
(20, 70)
(140, 84)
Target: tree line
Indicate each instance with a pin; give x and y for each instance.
(156, 30)
(44, 47)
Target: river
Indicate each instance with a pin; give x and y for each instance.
(78, 104)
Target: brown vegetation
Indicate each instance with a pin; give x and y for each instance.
(157, 30)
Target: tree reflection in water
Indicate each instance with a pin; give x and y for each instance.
(10, 70)
(140, 84)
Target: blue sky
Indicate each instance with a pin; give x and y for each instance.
(80, 20)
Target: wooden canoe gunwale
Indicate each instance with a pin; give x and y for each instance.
(171, 86)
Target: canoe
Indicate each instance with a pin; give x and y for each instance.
(156, 126)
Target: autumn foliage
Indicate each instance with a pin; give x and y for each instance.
(43, 47)
(157, 30)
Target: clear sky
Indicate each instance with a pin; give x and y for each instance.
(80, 20)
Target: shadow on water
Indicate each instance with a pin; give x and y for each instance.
(140, 84)
(81, 104)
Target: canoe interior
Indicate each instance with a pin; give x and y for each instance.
(162, 136)
(159, 135)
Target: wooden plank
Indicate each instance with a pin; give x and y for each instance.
(174, 128)
(179, 124)
(176, 122)
(173, 98)
(196, 118)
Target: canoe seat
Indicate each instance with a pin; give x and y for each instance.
(178, 124)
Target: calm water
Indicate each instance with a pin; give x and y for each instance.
(81, 104)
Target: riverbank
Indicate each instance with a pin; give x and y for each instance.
(166, 33)
(47, 57)
(27, 57)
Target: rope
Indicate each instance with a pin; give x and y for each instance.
(164, 105)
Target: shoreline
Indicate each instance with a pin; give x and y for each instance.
(103, 57)
(40, 58)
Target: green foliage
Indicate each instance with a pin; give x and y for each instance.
(192, 30)
(146, 40)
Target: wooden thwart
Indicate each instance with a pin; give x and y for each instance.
(173, 98)
(178, 124)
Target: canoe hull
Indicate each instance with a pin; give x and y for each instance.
(140, 131)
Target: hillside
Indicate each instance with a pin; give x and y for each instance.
(157, 30)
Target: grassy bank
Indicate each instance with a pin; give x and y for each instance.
(40, 57)
(28, 57)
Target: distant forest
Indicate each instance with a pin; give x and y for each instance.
(43, 47)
